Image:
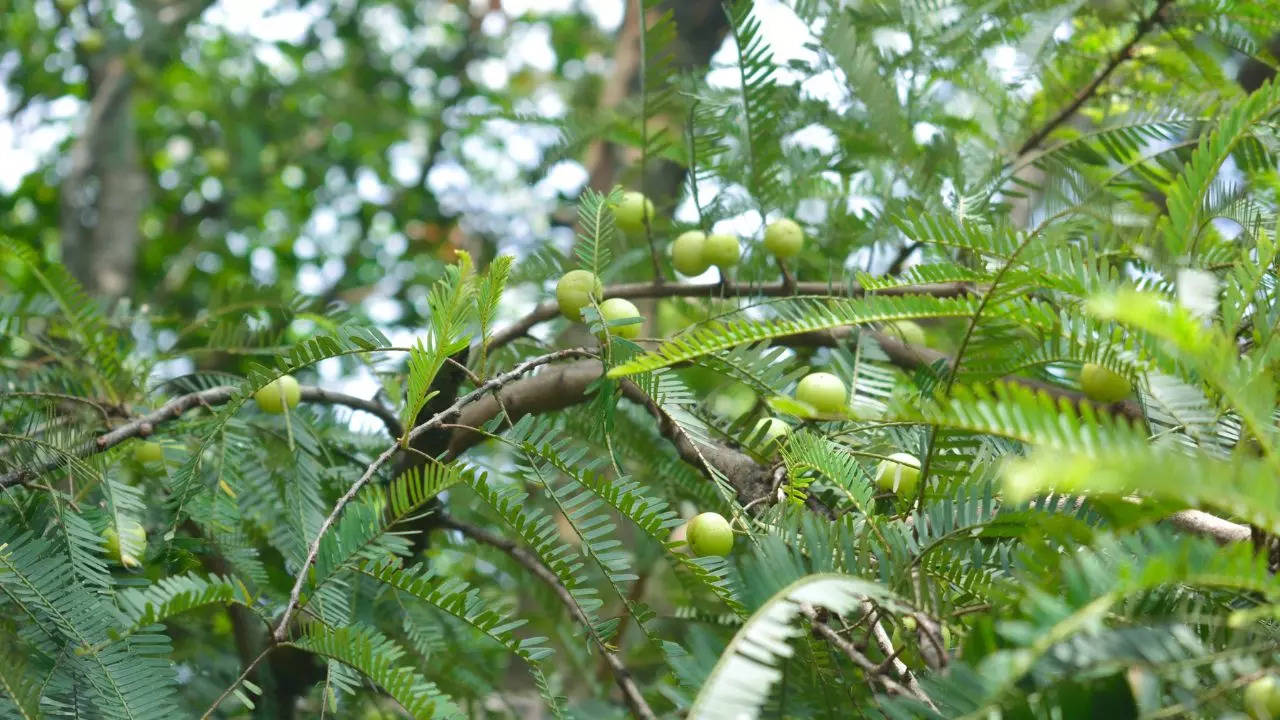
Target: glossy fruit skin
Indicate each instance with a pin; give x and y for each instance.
(900, 474)
(710, 534)
(688, 253)
(1262, 698)
(732, 402)
(620, 309)
(906, 331)
(823, 392)
(273, 396)
(722, 250)
(574, 291)
(148, 452)
(1103, 385)
(784, 238)
(775, 431)
(630, 212)
(136, 532)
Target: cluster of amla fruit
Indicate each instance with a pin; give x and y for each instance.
(692, 253)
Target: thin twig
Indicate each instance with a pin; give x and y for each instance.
(639, 707)
(145, 425)
(1144, 26)
(549, 310)
(870, 667)
(886, 646)
(232, 687)
(445, 415)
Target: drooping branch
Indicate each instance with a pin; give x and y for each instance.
(145, 425)
(548, 310)
(621, 675)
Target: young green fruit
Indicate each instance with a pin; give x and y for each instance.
(784, 238)
(710, 534)
(1262, 698)
(148, 452)
(823, 392)
(774, 431)
(1103, 385)
(688, 253)
(619, 309)
(899, 473)
(722, 250)
(631, 211)
(275, 395)
(732, 402)
(906, 331)
(137, 542)
(574, 292)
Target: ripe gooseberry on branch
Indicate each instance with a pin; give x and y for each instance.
(688, 253)
(137, 536)
(906, 331)
(823, 392)
(574, 291)
(631, 211)
(615, 309)
(721, 250)
(773, 429)
(1262, 698)
(1102, 384)
(148, 452)
(899, 473)
(784, 238)
(275, 395)
(710, 534)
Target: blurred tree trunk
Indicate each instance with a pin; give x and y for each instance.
(103, 191)
(105, 187)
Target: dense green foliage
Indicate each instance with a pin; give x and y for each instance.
(992, 197)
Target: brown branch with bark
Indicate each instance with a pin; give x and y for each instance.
(530, 561)
(145, 425)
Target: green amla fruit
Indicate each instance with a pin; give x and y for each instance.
(906, 331)
(575, 290)
(710, 534)
(823, 392)
(899, 473)
(1103, 385)
(784, 238)
(137, 543)
(631, 211)
(619, 309)
(1262, 698)
(275, 395)
(688, 253)
(148, 452)
(771, 432)
(732, 402)
(722, 250)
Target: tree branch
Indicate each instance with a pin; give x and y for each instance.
(872, 669)
(494, 383)
(621, 675)
(145, 425)
(1144, 26)
(548, 310)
